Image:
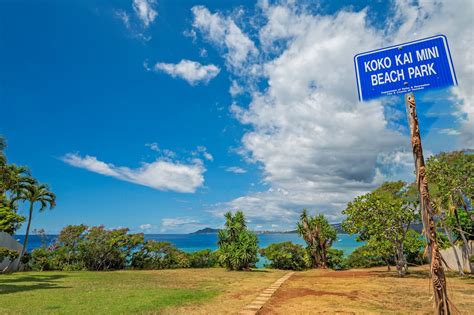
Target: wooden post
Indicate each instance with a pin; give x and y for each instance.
(438, 279)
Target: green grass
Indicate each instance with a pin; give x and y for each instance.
(100, 292)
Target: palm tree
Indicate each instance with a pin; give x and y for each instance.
(318, 235)
(36, 193)
(13, 180)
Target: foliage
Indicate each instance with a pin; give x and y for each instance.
(36, 193)
(205, 258)
(365, 256)
(12, 180)
(78, 247)
(383, 218)
(318, 235)
(336, 259)
(104, 249)
(10, 220)
(159, 255)
(237, 245)
(286, 256)
(9, 254)
(466, 224)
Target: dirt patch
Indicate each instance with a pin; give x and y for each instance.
(283, 295)
(337, 274)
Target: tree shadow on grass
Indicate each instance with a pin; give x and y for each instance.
(29, 283)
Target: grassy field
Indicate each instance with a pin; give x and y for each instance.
(365, 291)
(161, 291)
(216, 291)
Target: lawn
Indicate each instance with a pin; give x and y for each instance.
(118, 292)
(216, 291)
(366, 291)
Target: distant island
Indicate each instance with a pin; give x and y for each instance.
(338, 226)
(208, 230)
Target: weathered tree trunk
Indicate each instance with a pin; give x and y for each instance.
(453, 246)
(438, 277)
(400, 261)
(465, 243)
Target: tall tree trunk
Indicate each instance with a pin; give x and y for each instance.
(25, 242)
(465, 244)
(438, 278)
(450, 238)
(400, 261)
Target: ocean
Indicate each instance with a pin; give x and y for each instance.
(196, 242)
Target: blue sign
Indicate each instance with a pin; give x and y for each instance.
(413, 66)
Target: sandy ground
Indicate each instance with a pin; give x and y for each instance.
(365, 291)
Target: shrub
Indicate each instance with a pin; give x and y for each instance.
(159, 255)
(237, 245)
(203, 259)
(41, 259)
(9, 254)
(336, 259)
(365, 257)
(103, 249)
(287, 256)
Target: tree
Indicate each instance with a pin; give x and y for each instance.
(10, 221)
(451, 178)
(238, 246)
(318, 235)
(382, 216)
(36, 193)
(12, 180)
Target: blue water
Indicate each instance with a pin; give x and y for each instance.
(196, 242)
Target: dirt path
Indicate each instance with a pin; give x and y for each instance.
(263, 297)
(367, 291)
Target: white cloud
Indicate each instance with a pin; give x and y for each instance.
(180, 225)
(236, 170)
(318, 147)
(145, 11)
(138, 21)
(161, 174)
(146, 227)
(453, 19)
(235, 89)
(191, 71)
(208, 156)
(223, 32)
(449, 132)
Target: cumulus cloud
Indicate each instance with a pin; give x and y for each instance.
(427, 18)
(191, 71)
(160, 174)
(224, 32)
(318, 147)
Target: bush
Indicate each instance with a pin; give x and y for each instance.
(41, 260)
(203, 259)
(238, 246)
(287, 256)
(365, 257)
(336, 259)
(103, 249)
(159, 255)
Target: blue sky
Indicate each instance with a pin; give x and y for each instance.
(161, 115)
